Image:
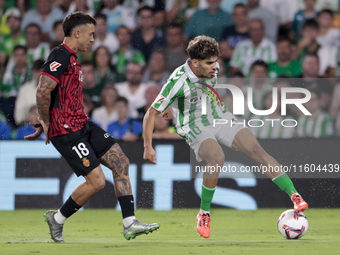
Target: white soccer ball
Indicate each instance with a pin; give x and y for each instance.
(292, 225)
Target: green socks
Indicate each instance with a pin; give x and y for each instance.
(206, 197)
(285, 184)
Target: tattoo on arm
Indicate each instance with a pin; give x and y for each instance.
(45, 87)
(116, 160)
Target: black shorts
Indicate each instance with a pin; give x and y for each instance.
(82, 148)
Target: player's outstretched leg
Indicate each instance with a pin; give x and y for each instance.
(212, 153)
(246, 142)
(116, 160)
(56, 229)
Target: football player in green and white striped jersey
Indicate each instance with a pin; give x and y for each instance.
(320, 124)
(182, 94)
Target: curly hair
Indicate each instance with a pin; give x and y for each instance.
(203, 47)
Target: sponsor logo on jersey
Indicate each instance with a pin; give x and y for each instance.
(81, 76)
(160, 100)
(54, 66)
(193, 100)
(106, 135)
(86, 162)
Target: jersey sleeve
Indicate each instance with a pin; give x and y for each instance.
(170, 91)
(56, 64)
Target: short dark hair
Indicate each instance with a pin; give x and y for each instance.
(38, 64)
(284, 39)
(236, 74)
(175, 25)
(326, 11)
(100, 16)
(312, 23)
(33, 25)
(20, 47)
(123, 27)
(259, 62)
(122, 99)
(76, 19)
(145, 8)
(57, 23)
(311, 54)
(240, 5)
(203, 47)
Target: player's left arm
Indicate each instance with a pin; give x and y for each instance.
(45, 87)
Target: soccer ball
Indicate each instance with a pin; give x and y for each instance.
(292, 225)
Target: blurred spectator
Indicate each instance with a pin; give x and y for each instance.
(36, 48)
(4, 29)
(89, 84)
(180, 11)
(80, 6)
(88, 105)
(133, 89)
(16, 37)
(27, 129)
(320, 124)
(102, 37)
(237, 78)
(335, 102)
(63, 5)
(285, 65)
(327, 36)
(308, 44)
(147, 38)
(159, 19)
(222, 72)
(27, 94)
(322, 4)
(151, 93)
(125, 53)
(269, 20)
(107, 113)
(5, 131)
(156, 72)
(259, 83)
(232, 35)
(162, 130)
(21, 73)
(103, 73)
(117, 15)
(311, 80)
(208, 22)
(257, 47)
(284, 10)
(44, 15)
(175, 51)
(300, 18)
(270, 126)
(58, 33)
(124, 128)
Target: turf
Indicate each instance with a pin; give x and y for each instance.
(232, 232)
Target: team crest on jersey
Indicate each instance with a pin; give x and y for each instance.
(54, 66)
(81, 76)
(86, 162)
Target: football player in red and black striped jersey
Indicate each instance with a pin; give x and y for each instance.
(81, 142)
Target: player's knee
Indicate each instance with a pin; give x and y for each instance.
(217, 159)
(99, 185)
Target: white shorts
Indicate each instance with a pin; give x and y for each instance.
(222, 133)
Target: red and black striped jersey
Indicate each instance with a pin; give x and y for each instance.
(66, 109)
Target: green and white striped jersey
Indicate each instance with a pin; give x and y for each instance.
(183, 94)
(319, 126)
(272, 127)
(245, 54)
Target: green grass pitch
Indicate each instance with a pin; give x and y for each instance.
(232, 232)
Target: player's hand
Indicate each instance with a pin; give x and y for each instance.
(38, 131)
(167, 114)
(46, 127)
(304, 42)
(150, 155)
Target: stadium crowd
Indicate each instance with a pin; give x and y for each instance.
(139, 43)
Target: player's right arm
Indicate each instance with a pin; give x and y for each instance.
(44, 90)
(148, 126)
